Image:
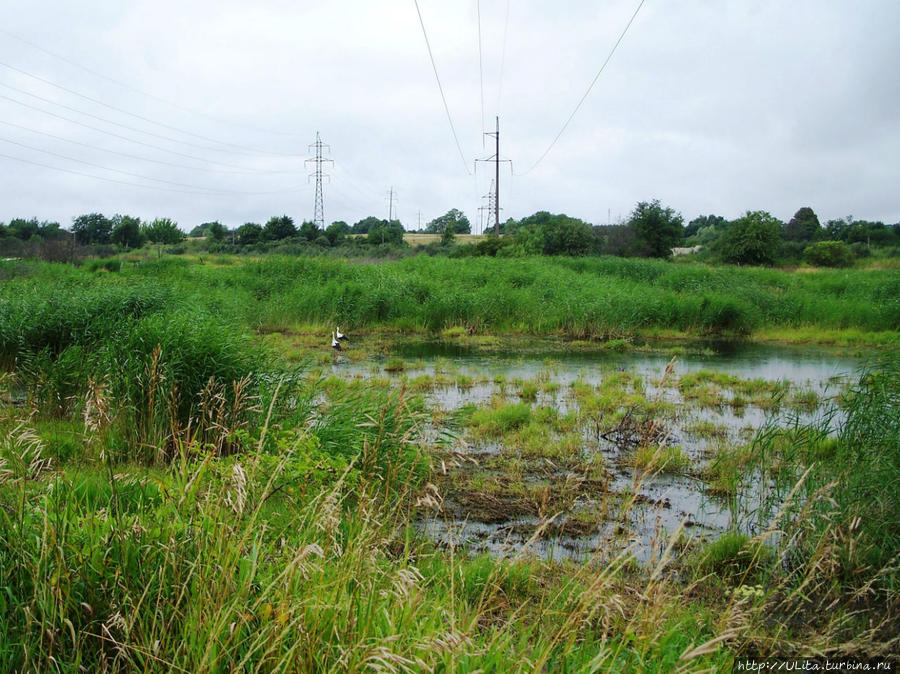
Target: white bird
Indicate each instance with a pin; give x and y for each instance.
(334, 343)
(341, 337)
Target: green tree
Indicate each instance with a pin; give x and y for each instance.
(617, 240)
(217, 231)
(835, 230)
(24, 229)
(92, 228)
(871, 233)
(657, 230)
(454, 219)
(704, 222)
(549, 234)
(337, 231)
(278, 228)
(364, 225)
(804, 226)
(752, 239)
(386, 232)
(126, 231)
(200, 230)
(309, 231)
(163, 230)
(214, 230)
(249, 233)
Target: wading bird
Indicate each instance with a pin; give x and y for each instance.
(334, 343)
(341, 337)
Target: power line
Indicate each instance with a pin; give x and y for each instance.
(441, 89)
(480, 66)
(126, 138)
(133, 175)
(502, 57)
(239, 148)
(135, 156)
(591, 86)
(178, 106)
(113, 180)
(113, 123)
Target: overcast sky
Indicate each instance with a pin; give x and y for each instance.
(204, 110)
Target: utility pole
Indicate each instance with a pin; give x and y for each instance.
(319, 208)
(495, 185)
(497, 181)
(390, 211)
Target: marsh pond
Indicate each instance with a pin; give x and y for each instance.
(584, 453)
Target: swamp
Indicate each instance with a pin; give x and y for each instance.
(509, 465)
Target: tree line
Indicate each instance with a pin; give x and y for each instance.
(657, 231)
(651, 230)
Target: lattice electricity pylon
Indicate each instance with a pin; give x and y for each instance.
(496, 184)
(491, 208)
(319, 209)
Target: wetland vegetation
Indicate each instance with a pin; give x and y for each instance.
(500, 472)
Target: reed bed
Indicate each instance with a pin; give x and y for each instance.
(597, 298)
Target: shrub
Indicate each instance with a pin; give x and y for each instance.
(829, 254)
(752, 239)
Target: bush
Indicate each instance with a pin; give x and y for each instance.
(791, 252)
(829, 254)
(753, 239)
(860, 250)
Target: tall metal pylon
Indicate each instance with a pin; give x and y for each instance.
(319, 208)
(491, 208)
(495, 185)
(391, 204)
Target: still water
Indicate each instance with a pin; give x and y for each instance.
(659, 504)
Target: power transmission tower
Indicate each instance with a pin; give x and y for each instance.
(319, 209)
(491, 207)
(495, 186)
(390, 211)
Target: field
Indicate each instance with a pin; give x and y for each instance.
(422, 239)
(500, 471)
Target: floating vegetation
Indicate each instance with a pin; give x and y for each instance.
(395, 365)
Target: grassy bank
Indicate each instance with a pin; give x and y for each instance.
(590, 298)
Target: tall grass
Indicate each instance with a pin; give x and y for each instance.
(134, 354)
(213, 566)
(579, 297)
(226, 515)
(827, 543)
(860, 471)
(585, 297)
